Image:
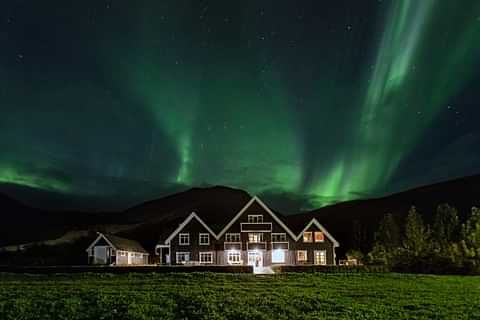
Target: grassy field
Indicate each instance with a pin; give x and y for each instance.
(238, 296)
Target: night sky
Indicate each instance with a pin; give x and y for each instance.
(303, 102)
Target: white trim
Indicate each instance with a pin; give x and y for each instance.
(200, 239)
(311, 236)
(185, 222)
(235, 233)
(255, 215)
(277, 233)
(319, 226)
(272, 243)
(180, 239)
(234, 252)
(239, 214)
(324, 256)
(211, 253)
(101, 235)
(274, 251)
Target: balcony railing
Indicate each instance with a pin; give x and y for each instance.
(232, 246)
(256, 227)
(280, 245)
(257, 245)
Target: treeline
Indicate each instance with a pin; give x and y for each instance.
(448, 246)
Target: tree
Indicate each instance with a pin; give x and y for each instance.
(388, 233)
(417, 235)
(470, 239)
(445, 227)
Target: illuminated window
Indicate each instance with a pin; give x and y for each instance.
(320, 257)
(319, 237)
(184, 239)
(257, 218)
(206, 257)
(233, 257)
(278, 256)
(232, 237)
(204, 239)
(183, 257)
(279, 237)
(255, 237)
(307, 237)
(302, 255)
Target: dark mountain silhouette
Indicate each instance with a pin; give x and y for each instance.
(352, 223)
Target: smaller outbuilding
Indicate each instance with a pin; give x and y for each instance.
(113, 250)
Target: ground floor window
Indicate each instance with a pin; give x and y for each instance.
(321, 257)
(278, 256)
(233, 257)
(302, 255)
(183, 257)
(206, 257)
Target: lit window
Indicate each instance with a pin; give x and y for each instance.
(319, 237)
(232, 237)
(183, 257)
(122, 253)
(307, 237)
(320, 257)
(204, 239)
(206, 257)
(184, 239)
(278, 256)
(279, 237)
(233, 257)
(257, 218)
(255, 237)
(302, 256)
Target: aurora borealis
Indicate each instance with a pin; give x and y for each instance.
(304, 102)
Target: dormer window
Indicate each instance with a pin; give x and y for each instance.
(255, 218)
(307, 236)
(184, 239)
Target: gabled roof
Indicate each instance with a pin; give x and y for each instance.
(253, 200)
(319, 226)
(193, 215)
(119, 243)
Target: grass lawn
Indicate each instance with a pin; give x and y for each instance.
(239, 296)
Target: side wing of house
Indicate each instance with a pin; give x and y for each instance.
(192, 242)
(315, 245)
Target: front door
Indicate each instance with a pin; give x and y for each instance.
(100, 255)
(320, 257)
(255, 259)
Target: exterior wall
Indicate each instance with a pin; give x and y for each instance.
(135, 258)
(310, 247)
(193, 228)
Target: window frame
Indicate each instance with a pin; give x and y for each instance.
(315, 236)
(180, 239)
(236, 254)
(200, 239)
(261, 239)
(203, 253)
(305, 254)
(229, 235)
(311, 237)
(184, 253)
(276, 234)
(322, 259)
(284, 255)
(255, 218)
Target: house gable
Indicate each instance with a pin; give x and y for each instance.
(256, 206)
(102, 240)
(315, 223)
(193, 215)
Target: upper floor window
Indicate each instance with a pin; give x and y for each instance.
(204, 239)
(279, 237)
(184, 239)
(255, 237)
(302, 255)
(255, 218)
(307, 236)
(319, 237)
(232, 237)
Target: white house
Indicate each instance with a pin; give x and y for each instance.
(109, 249)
